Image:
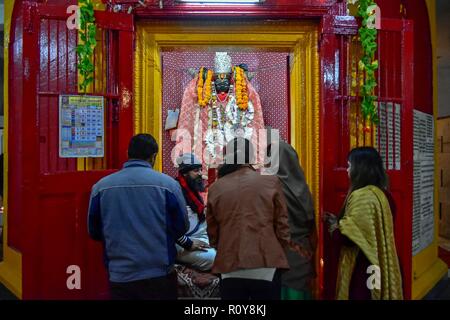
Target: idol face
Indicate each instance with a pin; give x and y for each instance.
(222, 82)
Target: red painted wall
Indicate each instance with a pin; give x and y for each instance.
(34, 287)
(423, 55)
(48, 197)
(15, 177)
(16, 98)
(417, 11)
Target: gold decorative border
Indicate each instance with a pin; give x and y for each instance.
(301, 38)
(11, 266)
(148, 87)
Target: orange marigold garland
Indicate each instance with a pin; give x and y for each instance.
(204, 87)
(241, 89)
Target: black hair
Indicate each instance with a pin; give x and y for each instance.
(142, 146)
(366, 168)
(238, 152)
(244, 66)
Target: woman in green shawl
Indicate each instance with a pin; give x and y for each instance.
(368, 264)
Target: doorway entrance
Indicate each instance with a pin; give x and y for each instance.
(283, 55)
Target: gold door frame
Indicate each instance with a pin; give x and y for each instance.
(298, 37)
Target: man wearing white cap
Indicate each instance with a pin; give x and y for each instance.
(193, 248)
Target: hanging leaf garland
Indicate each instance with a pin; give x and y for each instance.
(86, 43)
(368, 64)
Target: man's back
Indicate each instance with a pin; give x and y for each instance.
(142, 212)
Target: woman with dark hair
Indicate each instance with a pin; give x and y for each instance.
(368, 265)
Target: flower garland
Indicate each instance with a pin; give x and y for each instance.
(241, 89)
(86, 43)
(368, 64)
(204, 87)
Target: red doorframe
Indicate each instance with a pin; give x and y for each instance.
(54, 199)
(335, 135)
(401, 182)
(332, 15)
(334, 140)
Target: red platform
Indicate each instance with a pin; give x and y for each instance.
(444, 255)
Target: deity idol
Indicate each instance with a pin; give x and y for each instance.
(219, 105)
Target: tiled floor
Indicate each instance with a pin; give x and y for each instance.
(441, 291)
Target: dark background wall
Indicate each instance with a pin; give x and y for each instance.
(443, 53)
(2, 21)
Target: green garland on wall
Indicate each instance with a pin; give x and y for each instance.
(86, 43)
(368, 64)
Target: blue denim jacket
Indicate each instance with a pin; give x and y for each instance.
(139, 214)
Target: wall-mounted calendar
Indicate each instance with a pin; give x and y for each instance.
(81, 126)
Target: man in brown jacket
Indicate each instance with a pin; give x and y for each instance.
(248, 225)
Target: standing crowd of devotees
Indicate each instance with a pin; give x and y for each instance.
(257, 232)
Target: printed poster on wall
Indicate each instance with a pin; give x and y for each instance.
(423, 196)
(389, 132)
(81, 126)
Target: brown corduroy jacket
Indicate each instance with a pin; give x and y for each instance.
(247, 221)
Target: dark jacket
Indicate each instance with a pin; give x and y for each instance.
(138, 213)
